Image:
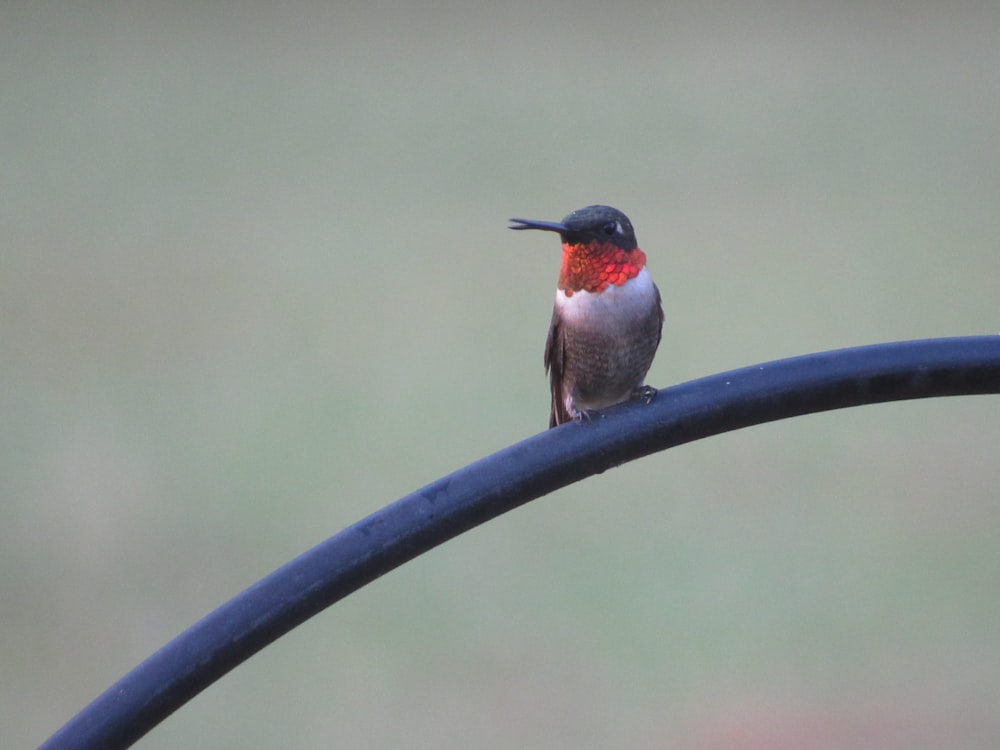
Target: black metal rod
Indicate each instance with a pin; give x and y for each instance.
(494, 485)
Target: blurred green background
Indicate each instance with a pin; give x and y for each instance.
(256, 283)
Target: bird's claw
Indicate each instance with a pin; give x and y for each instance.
(646, 393)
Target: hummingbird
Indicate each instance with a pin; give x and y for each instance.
(607, 319)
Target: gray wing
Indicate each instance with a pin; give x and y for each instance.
(554, 366)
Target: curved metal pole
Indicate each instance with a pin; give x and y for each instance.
(496, 484)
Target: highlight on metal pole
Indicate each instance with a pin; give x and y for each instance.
(505, 480)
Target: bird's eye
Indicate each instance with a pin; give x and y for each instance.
(610, 229)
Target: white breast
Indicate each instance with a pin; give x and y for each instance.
(615, 306)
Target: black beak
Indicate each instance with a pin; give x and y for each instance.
(548, 226)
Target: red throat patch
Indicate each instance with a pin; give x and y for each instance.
(594, 266)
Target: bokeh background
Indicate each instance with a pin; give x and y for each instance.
(256, 283)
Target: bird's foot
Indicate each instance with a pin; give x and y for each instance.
(646, 393)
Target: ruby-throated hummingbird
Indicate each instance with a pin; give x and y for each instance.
(607, 319)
